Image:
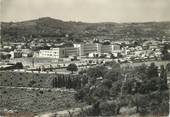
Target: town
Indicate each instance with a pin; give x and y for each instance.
(82, 54)
(87, 72)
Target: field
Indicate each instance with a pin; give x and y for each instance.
(25, 79)
(36, 101)
(33, 93)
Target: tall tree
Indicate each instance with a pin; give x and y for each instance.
(163, 76)
(152, 70)
(165, 53)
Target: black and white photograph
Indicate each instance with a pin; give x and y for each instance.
(84, 58)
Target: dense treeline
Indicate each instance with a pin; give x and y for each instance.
(69, 81)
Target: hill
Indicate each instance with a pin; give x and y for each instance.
(54, 29)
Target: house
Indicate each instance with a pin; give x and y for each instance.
(26, 53)
(16, 54)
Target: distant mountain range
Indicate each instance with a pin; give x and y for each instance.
(53, 29)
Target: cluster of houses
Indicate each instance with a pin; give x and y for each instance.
(117, 49)
(149, 50)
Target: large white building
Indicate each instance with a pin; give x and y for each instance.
(85, 49)
(79, 50)
(52, 53)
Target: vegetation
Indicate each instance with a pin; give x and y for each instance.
(69, 81)
(56, 30)
(36, 101)
(165, 53)
(3, 57)
(19, 65)
(42, 80)
(140, 90)
(72, 67)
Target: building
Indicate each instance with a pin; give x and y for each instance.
(106, 48)
(16, 54)
(71, 51)
(52, 53)
(85, 49)
(80, 50)
(59, 52)
(115, 48)
(27, 53)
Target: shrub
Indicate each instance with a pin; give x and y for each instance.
(4, 92)
(41, 92)
(31, 83)
(5, 80)
(49, 90)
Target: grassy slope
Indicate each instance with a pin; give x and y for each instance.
(36, 101)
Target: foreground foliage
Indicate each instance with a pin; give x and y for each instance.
(112, 90)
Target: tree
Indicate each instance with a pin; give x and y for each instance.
(152, 70)
(106, 43)
(168, 67)
(112, 56)
(2, 56)
(72, 67)
(165, 54)
(111, 75)
(82, 72)
(19, 65)
(103, 56)
(95, 72)
(107, 108)
(107, 83)
(8, 56)
(51, 68)
(163, 76)
(119, 55)
(113, 66)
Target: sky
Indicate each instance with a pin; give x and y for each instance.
(86, 10)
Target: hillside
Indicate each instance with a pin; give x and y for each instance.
(56, 29)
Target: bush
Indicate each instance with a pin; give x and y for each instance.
(111, 75)
(31, 83)
(19, 65)
(80, 94)
(95, 72)
(107, 108)
(4, 92)
(41, 92)
(49, 90)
